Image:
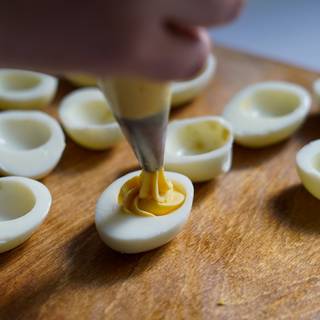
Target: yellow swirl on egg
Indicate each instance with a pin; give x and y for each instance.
(151, 194)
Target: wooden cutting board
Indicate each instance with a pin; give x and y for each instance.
(251, 249)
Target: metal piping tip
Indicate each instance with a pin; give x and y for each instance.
(146, 134)
(147, 138)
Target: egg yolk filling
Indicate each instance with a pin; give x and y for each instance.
(151, 194)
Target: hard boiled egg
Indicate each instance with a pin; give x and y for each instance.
(82, 80)
(308, 166)
(316, 89)
(129, 233)
(200, 148)
(31, 143)
(24, 204)
(185, 91)
(266, 113)
(88, 120)
(21, 89)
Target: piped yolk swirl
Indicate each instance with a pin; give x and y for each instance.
(151, 194)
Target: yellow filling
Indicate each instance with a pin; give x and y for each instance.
(151, 194)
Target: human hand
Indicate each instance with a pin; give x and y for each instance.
(162, 39)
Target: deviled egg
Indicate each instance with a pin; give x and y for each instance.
(87, 118)
(316, 89)
(185, 91)
(81, 79)
(24, 204)
(200, 148)
(267, 113)
(31, 143)
(131, 233)
(308, 167)
(22, 89)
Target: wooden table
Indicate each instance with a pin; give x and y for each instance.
(251, 249)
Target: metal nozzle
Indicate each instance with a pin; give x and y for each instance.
(147, 138)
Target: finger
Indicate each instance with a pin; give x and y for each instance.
(179, 55)
(204, 12)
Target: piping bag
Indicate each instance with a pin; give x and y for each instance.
(141, 107)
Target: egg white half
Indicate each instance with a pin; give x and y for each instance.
(308, 167)
(200, 147)
(128, 233)
(185, 91)
(31, 143)
(267, 113)
(24, 204)
(316, 89)
(87, 118)
(22, 89)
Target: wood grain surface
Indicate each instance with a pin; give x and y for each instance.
(251, 249)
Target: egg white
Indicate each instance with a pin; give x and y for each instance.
(87, 119)
(185, 91)
(267, 113)
(316, 89)
(24, 204)
(197, 147)
(22, 89)
(128, 233)
(308, 167)
(31, 143)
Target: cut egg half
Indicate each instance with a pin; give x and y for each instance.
(185, 91)
(22, 89)
(31, 143)
(316, 89)
(308, 167)
(266, 113)
(200, 147)
(129, 233)
(88, 120)
(24, 204)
